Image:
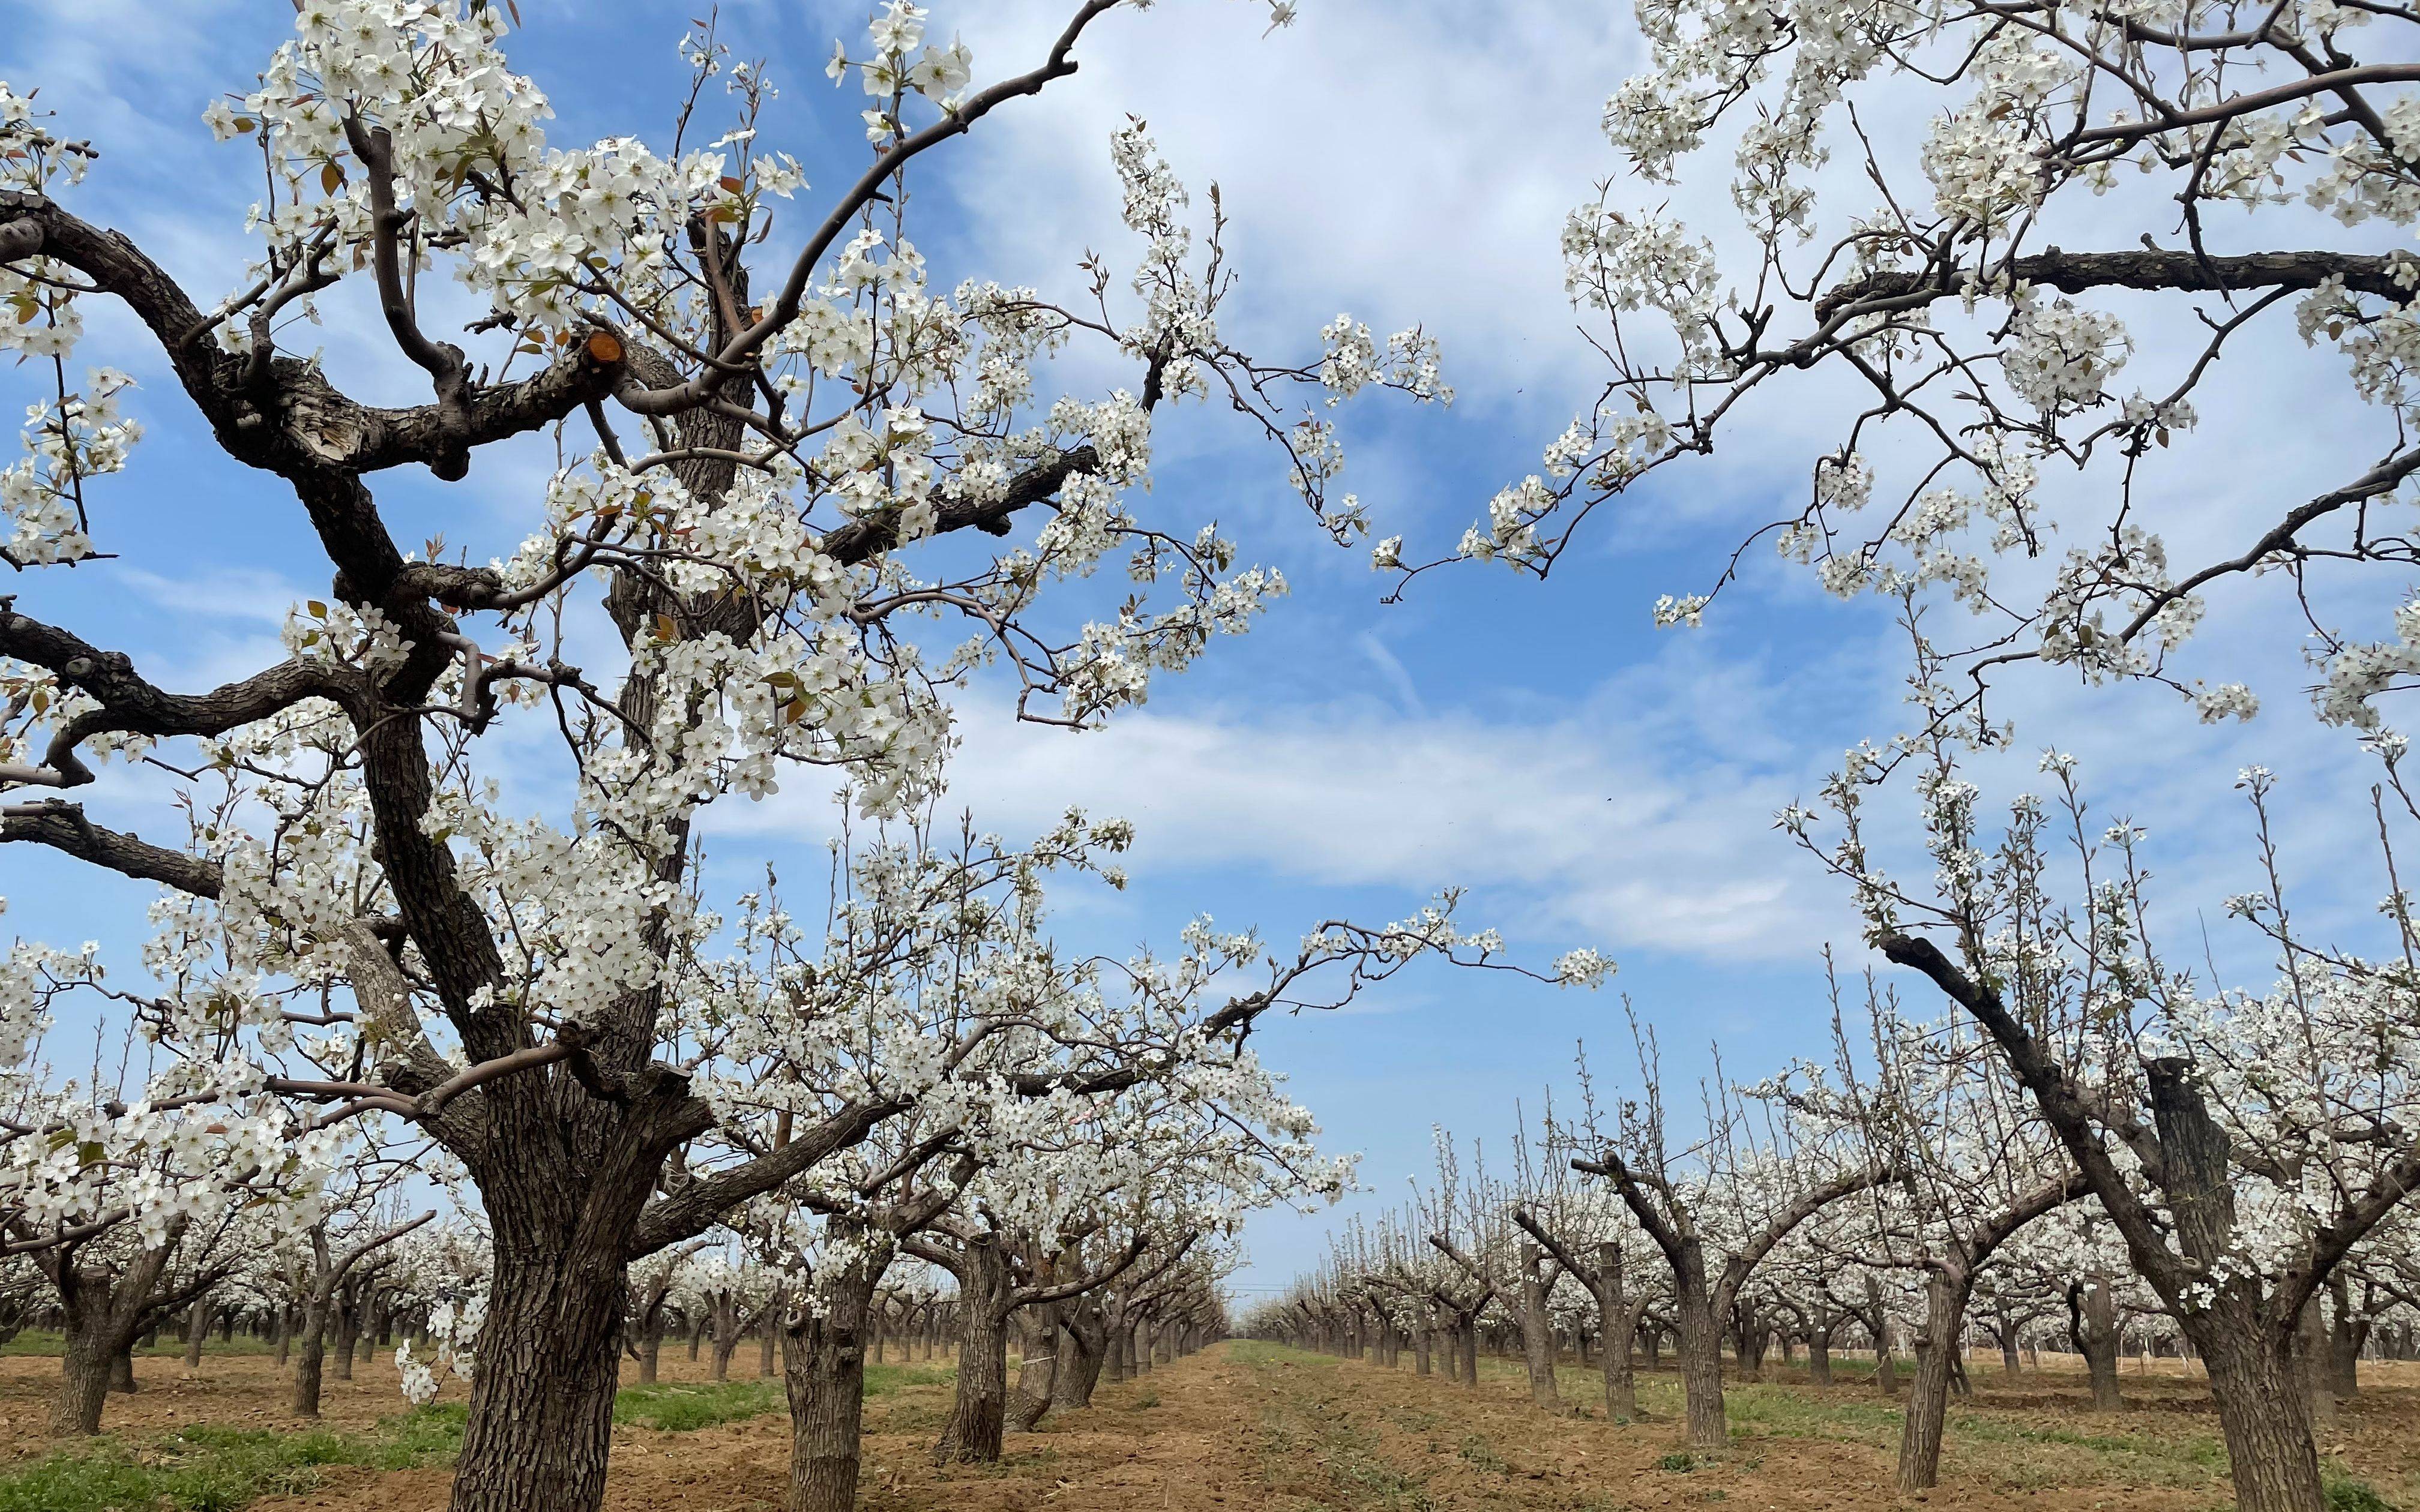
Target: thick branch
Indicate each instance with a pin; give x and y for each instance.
(2074, 272)
(303, 422)
(62, 827)
(695, 1207)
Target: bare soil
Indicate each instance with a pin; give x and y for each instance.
(1247, 1426)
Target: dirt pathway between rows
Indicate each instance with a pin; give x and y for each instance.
(1247, 1426)
(1351, 1436)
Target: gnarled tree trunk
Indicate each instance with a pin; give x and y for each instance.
(978, 1415)
(651, 1350)
(310, 1357)
(1928, 1399)
(1538, 1333)
(822, 1361)
(1037, 1369)
(2263, 1416)
(1083, 1348)
(1701, 1346)
(2092, 1328)
(541, 1417)
(102, 1309)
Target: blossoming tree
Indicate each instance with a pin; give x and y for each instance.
(760, 444)
(1941, 220)
(2241, 1143)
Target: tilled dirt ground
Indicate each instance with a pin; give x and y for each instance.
(1249, 1425)
(230, 1390)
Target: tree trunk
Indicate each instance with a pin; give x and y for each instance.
(1618, 1319)
(2263, 1416)
(198, 1330)
(1818, 1356)
(2311, 1357)
(1538, 1333)
(985, 1302)
(726, 1332)
(1701, 1351)
(651, 1348)
(541, 1418)
(1083, 1348)
(2092, 1325)
(1928, 1399)
(1037, 1370)
(2346, 1334)
(84, 1384)
(121, 1371)
(348, 1336)
(100, 1312)
(823, 1369)
(1620, 1385)
(311, 1355)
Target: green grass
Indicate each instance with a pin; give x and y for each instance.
(684, 1407)
(882, 1379)
(1482, 1456)
(210, 1469)
(204, 1469)
(2345, 1494)
(51, 1342)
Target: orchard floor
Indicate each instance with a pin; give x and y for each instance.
(1243, 1426)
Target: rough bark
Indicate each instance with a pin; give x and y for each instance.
(978, 1415)
(310, 1358)
(2264, 1418)
(541, 1417)
(198, 1330)
(2092, 1328)
(1701, 1346)
(102, 1309)
(726, 1332)
(823, 1359)
(2348, 1333)
(1083, 1349)
(349, 1334)
(1037, 1370)
(1538, 1333)
(1928, 1399)
(84, 1386)
(2311, 1360)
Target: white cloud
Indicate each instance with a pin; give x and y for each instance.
(1585, 824)
(1379, 157)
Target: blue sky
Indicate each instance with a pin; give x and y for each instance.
(1589, 779)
